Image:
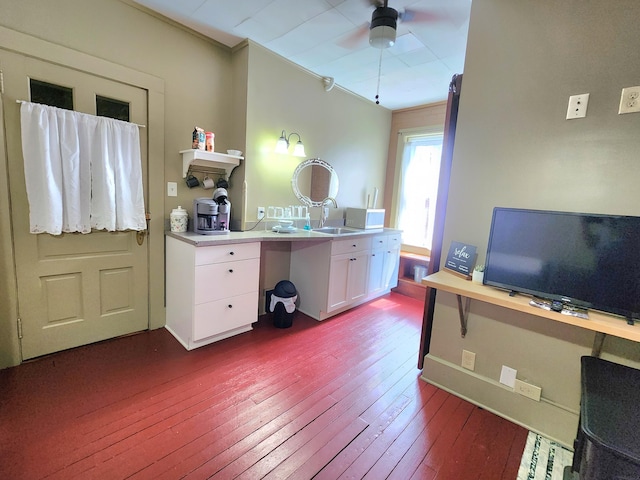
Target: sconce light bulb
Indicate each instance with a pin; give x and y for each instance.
(282, 146)
(298, 150)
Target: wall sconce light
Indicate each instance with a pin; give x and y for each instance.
(283, 145)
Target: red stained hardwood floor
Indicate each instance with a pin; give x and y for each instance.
(339, 399)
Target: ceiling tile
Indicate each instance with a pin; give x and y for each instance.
(330, 38)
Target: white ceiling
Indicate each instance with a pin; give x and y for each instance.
(319, 36)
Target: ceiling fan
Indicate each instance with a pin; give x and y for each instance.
(384, 22)
(382, 29)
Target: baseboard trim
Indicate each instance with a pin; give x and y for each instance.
(552, 421)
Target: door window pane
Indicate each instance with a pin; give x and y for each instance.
(50, 94)
(109, 107)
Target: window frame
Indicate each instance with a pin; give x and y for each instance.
(404, 136)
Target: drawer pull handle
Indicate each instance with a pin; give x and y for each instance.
(231, 270)
(354, 245)
(230, 253)
(230, 306)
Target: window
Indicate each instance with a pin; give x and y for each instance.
(50, 94)
(109, 107)
(418, 189)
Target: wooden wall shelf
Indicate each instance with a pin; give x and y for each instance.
(600, 322)
(204, 160)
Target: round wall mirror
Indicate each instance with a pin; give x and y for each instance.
(314, 181)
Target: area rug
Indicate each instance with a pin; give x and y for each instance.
(543, 459)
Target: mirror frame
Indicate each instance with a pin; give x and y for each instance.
(294, 181)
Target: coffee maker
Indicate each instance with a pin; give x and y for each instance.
(205, 216)
(220, 196)
(211, 216)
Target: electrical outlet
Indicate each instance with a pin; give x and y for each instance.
(577, 106)
(172, 189)
(468, 360)
(260, 213)
(629, 100)
(528, 390)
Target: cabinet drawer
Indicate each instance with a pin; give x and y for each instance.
(379, 241)
(394, 240)
(222, 280)
(227, 253)
(348, 245)
(213, 318)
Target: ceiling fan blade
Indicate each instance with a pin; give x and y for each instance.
(355, 38)
(418, 16)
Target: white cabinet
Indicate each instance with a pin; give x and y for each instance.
(212, 291)
(377, 264)
(333, 276)
(348, 269)
(383, 265)
(391, 261)
(347, 279)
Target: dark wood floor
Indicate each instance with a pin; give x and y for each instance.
(335, 399)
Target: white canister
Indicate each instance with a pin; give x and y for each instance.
(179, 219)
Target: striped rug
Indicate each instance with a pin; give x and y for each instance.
(543, 459)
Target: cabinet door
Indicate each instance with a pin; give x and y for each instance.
(376, 271)
(358, 276)
(337, 295)
(390, 268)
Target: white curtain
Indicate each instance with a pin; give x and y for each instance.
(82, 172)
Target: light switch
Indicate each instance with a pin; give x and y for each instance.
(172, 189)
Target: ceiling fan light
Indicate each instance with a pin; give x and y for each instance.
(382, 36)
(382, 33)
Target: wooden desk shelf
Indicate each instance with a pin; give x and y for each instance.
(601, 323)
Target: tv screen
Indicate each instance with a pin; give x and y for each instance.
(586, 260)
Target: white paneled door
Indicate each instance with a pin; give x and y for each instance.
(73, 289)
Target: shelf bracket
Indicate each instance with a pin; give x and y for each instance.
(464, 314)
(597, 344)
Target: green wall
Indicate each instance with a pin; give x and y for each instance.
(514, 148)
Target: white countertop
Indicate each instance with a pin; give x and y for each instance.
(268, 236)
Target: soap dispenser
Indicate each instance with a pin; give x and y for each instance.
(307, 225)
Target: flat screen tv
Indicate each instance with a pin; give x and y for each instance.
(585, 260)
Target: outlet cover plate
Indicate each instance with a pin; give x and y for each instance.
(528, 390)
(629, 100)
(468, 360)
(577, 106)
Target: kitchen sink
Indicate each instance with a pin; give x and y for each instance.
(335, 230)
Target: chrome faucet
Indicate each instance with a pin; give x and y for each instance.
(324, 211)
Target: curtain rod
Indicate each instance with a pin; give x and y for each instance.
(140, 126)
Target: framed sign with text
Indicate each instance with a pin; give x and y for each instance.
(461, 258)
